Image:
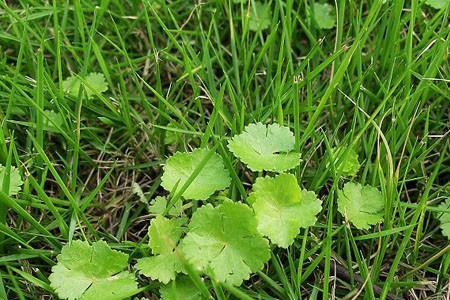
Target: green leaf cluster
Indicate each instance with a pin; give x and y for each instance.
(224, 240)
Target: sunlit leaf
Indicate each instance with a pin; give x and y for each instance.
(361, 205)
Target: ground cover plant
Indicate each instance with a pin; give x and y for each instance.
(224, 149)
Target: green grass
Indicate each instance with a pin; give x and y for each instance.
(185, 74)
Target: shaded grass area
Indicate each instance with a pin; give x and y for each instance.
(184, 74)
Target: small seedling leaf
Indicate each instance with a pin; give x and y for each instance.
(260, 16)
(324, 16)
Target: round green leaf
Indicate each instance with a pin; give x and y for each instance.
(224, 242)
(56, 118)
(260, 16)
(212, 177)
(281, 208)
(92, 272)
(267, 148)
(96, 82)
(324, 16)
(361, 205)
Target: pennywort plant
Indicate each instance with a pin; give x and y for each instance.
(93, 83)
(223, 240)
(266, 148)
(92, 272)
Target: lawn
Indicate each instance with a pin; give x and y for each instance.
(224, 149)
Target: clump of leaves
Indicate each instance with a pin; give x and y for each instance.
(181, 289)
(324, 16)
(348, 165)
(438, 4)
(224, 242)
(92, 272)
(212, 177)
(361, 205)
(268, 148)
(281, 208)
(260, 16)
(164, 236)
(15, 180)
(96, 84)
(444, 217)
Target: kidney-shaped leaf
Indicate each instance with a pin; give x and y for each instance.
(164, 236)
(281, 208)
(92, 272)
(361, 205)
(212, 177)
(267, 148)
(224, 243)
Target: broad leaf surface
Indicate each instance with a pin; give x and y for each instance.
(159, 204)
(361, 205)
(92, 272)
(96, 82)
(164, 235)
(281, 208)
(260, 16)
(267, 148)
(180, 289)
(324, 15)
(179, 167)
(438, 4)
(224, 242)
